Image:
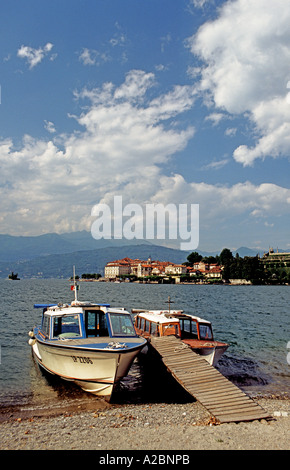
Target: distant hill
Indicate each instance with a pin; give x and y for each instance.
(244, 251)
(89, 261)
(15, 248)
(53, 255)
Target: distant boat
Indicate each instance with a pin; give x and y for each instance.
(90, 344)
(13, 277)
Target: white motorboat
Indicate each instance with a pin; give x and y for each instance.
(90, 344)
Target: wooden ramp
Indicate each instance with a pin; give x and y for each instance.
(225, 401)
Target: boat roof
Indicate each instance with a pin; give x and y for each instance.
(72, 304)
(166, 316)
(198, 319)
(78, 307)
(158, 317)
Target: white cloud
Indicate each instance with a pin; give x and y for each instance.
(246, 56)
(231, 131)
(49, 126)
(119, 38)
(113, 48)
(120, 148)
(198, 3)
(216, 165)
(216, 118)
(165, 41)
(125, 140)
(136, 84)
(34, 56)
(93, 57)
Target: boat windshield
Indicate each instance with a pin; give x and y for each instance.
(121, 325)
(67, 326)
(205, 331)
(96, 323)
(188, 328)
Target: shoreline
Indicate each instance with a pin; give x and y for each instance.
(236, 282)
(98, 425)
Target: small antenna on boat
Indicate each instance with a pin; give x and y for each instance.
(74, 287)
(169, 302)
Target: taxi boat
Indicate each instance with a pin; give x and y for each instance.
(194, 331)
(90, 344)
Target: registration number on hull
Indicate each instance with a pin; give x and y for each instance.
(82, 360)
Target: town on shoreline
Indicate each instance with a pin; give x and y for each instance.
(270, 269)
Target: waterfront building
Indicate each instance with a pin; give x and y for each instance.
(276, 260)
(149, 267)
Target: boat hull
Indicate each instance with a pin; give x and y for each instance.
(210, 350)
(94, 369)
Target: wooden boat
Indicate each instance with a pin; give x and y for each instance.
(194, 331)
(90, 344)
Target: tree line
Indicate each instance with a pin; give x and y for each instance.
(250, 268)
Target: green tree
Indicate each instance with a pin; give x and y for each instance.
(226, 256)
(209, 259)
(194, 257)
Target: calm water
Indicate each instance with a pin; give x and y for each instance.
(253, 320)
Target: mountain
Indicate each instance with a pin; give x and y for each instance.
(244, 251)
(53, 255)
(87, 261)
(16, 248)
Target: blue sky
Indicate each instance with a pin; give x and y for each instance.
(159, 101)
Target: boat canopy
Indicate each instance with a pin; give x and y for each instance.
(172, 315)
(44, 305)
(153, 316)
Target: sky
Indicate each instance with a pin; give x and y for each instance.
(158, 101)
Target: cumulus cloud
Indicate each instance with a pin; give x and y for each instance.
(123, 141)
(246, 54)
(34, 56)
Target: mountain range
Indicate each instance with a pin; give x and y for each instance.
(53, 255)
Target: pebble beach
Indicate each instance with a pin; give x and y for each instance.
(141, 427)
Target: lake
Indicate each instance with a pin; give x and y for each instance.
(253, 320)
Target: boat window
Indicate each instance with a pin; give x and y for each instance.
(45, 324)
(154, 329)
(188, 328)
(67, 326)
(96, 323)
(147, 326)
(205, 331)
(121, 325)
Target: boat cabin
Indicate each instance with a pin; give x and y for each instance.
(194, 327)
(165, 323)
(85, 321)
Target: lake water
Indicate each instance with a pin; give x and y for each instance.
(253, 320)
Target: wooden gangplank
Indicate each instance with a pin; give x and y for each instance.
(224, 401)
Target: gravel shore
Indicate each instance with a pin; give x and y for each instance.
(156, 426)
